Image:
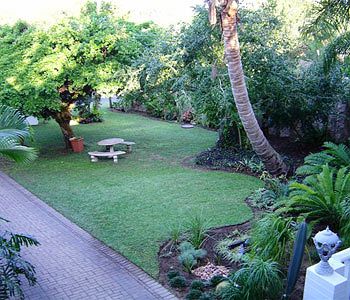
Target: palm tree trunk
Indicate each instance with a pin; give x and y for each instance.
(272, 160)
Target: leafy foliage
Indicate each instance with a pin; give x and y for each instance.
(323, 198)
(336, 156)
(12, 265)
(189, 256)
(178, 282)
(280, 232)
(13, 130)
(257, 279)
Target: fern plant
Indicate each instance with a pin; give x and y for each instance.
(12, 265)
(323, 198)
(336, 156)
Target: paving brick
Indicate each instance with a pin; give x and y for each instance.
(70, 263)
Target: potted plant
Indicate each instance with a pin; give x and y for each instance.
(77, 144)
(187, 118)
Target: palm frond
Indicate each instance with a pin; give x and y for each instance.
(11, 149)
(12, 123)
(329, 15)
(340, 46)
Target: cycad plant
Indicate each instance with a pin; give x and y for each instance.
(13, 131)
(334, 155)
(323, 198)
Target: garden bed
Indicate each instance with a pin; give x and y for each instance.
(169, 261)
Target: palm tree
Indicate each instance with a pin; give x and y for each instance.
(330, 21)
(13, 130)
(228, 11)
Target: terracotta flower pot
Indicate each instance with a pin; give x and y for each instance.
(77, 144)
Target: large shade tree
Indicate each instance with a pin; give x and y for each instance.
(45, 71)
(228, 10)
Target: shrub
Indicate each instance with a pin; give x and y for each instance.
(188, 261)
(274, 191)
(178, 282)
(194, 295)
(215, 280)
(189, 256)
(173, 273)
(197, 285)
(207, 296)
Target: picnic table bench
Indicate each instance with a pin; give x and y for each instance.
(95, 154)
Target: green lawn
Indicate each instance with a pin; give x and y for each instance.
(131, 205)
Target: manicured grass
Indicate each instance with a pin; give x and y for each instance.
(132, 205)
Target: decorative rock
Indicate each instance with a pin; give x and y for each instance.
(32, 121)
(187, 126)
(210, 270)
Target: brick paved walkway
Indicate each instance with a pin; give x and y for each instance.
(70, 263)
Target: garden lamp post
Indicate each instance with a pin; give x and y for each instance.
(326, 243)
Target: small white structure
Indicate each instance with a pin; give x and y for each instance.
(32, 121)
(330, 278)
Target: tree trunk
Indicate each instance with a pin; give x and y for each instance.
(273, 162)
(63, 119)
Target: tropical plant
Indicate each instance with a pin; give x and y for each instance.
(280, 232)
(336, 156)
(13, 131)
(12, 265)
(257, 279)
(323, 198)
(228, 13)
(329, 21)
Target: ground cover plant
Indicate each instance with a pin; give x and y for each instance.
(131, 206)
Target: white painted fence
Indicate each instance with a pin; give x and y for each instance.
(333, 287)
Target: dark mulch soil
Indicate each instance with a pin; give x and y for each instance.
(228, 159)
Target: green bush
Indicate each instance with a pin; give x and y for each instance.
(189, 256)
(197, 285)
(207, 296)
(173, 273)
(178, 282)
(215, 280)
(194, 295)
